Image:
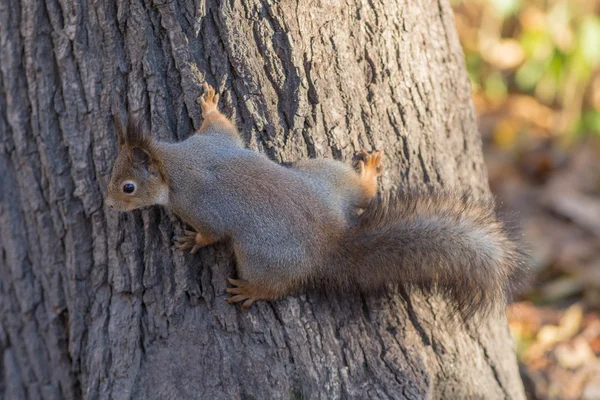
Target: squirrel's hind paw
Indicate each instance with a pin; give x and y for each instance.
(242, 291)
(369, 163)
(247, 292)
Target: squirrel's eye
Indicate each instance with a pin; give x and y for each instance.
(128, 188)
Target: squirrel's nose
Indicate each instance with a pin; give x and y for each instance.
(108, 201)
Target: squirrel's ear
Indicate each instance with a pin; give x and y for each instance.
(139, 156)
(119, 130)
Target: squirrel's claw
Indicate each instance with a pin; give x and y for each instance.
(234, 290)
(247, 304)
(236, 298)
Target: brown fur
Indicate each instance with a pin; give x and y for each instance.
(434, 241)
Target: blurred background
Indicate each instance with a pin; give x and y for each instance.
(535, 70)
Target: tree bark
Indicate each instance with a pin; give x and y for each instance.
(96, 304)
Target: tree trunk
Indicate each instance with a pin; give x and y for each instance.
(99, 305)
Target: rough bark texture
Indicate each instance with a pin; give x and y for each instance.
(97, 304)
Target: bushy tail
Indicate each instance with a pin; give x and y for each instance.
(449, 243)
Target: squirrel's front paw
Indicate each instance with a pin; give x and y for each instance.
(209, 100)
(190, 240)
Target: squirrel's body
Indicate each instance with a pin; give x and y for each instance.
(234, 180)
(315, 223)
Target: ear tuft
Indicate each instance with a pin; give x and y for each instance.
(136, 134)
(119, 130)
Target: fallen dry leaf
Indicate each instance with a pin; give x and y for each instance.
(574, 354)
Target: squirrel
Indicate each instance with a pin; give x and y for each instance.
(317, 223)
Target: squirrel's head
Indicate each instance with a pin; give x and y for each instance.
(136, 180)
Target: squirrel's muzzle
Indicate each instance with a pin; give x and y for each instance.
(110, 203)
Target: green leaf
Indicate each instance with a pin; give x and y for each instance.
(590, 123)
(536, 43)
(506, 7)
(495, 87)
(589, 36)
(529, 74)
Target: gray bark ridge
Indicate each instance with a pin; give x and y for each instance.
(98, 305)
